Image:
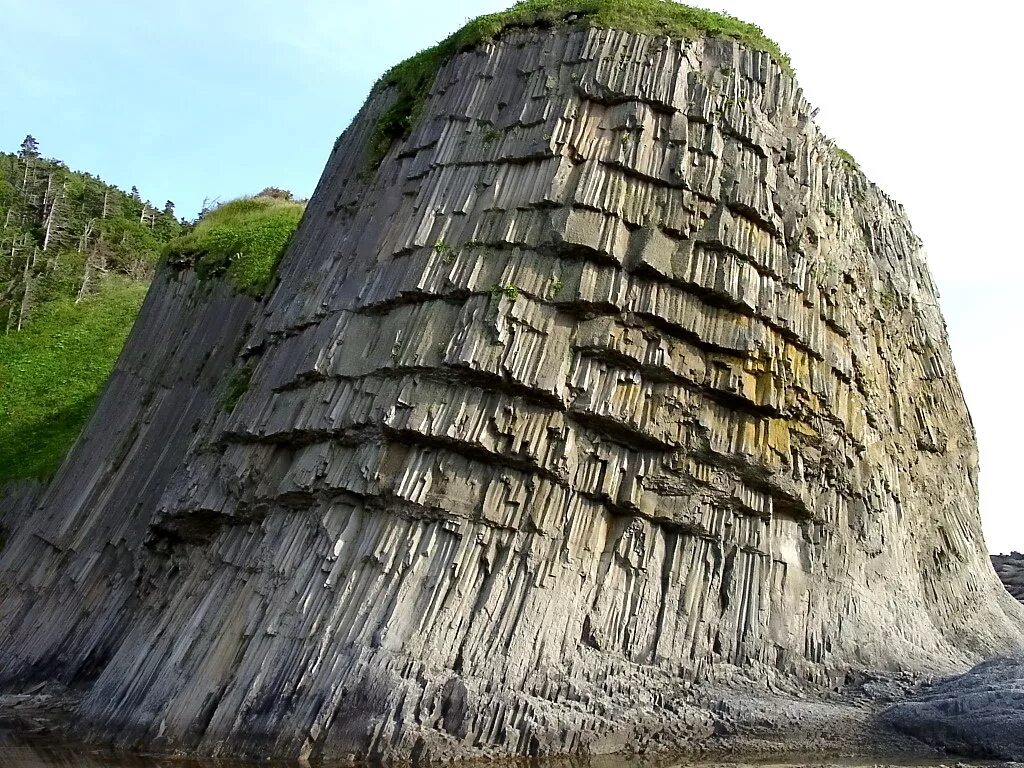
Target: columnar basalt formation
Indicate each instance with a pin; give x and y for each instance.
(613, 378)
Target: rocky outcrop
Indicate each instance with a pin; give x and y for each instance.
(69, 575)
(979, 713)
(614, 394)
(17, 500)
(1010, 570)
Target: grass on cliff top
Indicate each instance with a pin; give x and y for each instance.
(242, 240)
(846, 157)
(52, 372)
(413, 77)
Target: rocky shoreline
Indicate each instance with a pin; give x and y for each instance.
(744, 723)
(981, 712)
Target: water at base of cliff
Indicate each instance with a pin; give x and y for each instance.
(27, 750)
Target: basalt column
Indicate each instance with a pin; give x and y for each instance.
(612, 375)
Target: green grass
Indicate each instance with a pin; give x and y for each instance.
(413, 77)
(846, 157)
(242, 240)
(52, 372)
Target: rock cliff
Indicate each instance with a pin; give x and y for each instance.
(1010, 570)
(614, 381)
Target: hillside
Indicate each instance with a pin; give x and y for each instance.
(76, 258)
(64, 231)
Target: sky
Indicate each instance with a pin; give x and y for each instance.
(202, 101)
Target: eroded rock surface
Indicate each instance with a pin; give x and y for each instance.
(17, 500)
(979, 713)
(613, 379)
(1010, 570)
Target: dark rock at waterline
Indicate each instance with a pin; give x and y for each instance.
(980, 713)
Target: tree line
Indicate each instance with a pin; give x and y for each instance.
(63, 232)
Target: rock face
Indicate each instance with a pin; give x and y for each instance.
(979, 713)
(17, 501)
(1010, 570)
(613, 381)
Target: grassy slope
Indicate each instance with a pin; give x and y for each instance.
(52, 372)
(413, 77)
(243, 239)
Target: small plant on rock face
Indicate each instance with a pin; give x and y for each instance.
(491, 135)
(887, 299)
(510, 292)
(556, 286)
(236, 386)
(847, 158)
(445, 251)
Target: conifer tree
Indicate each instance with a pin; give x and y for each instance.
(29, 148)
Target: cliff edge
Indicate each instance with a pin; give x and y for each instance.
(593, 380)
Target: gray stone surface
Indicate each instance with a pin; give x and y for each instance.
(1010, 570)
(17, 500)
(69, 573)
(979, 713)
(614, 411)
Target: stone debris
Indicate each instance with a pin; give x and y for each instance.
(613, 378)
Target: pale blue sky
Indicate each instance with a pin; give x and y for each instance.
(188, 100)
(191, 100)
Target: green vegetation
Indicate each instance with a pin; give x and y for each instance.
(412, 78)
(52, 372)
(510, 292)
(76, 257)
(846, 157)
(236, 386)
(445, 251)
(243, 240)
(491, 135)
(62, 231)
